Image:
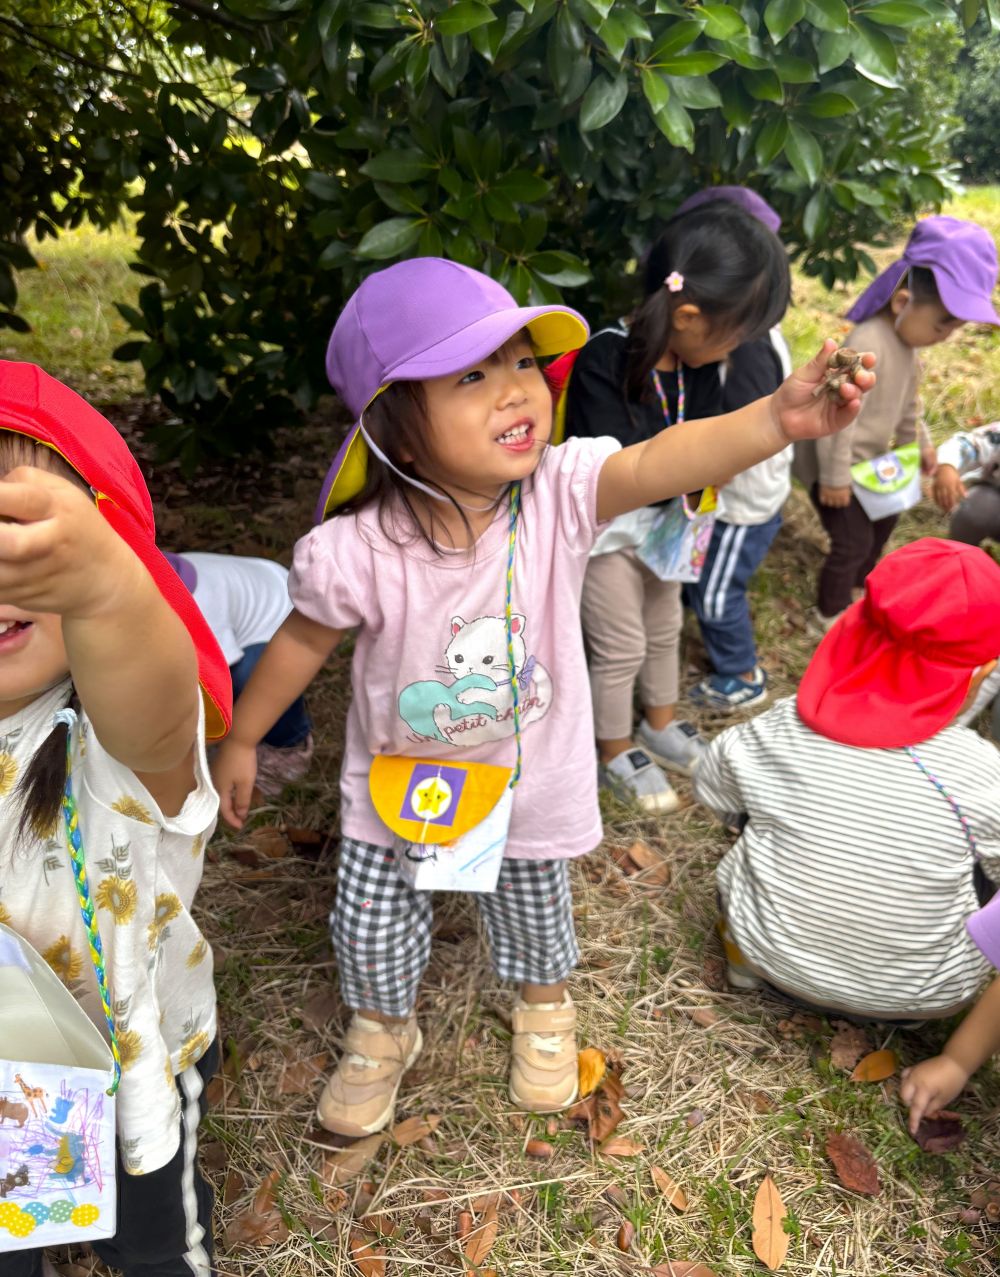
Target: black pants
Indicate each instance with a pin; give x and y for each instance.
(165, 1217)
(856, 545)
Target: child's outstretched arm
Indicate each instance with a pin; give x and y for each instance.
(130, 656)
(690, 456)
(933, 1084)
(293, 658)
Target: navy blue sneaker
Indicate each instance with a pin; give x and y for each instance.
(727, 693)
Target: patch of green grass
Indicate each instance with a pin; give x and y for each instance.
(69, 302)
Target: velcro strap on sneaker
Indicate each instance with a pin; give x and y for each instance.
(527, 1019)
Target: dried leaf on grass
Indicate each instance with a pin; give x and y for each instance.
(681, 1268)
(704, 1016)
(626, 1236)
(619, 1146)
(601, 1112)
(848, 1045)
(770, 1241)
(260, 846)
(482, 1239)
(875, 1067)
(670, 1189)
(856, 1168)
(319, 1010)
(942, 1133)
(650, 865)
(538, 1148)
(369, 1259)
(415, 1128)
(591, 1065)
(301, 1077)
(262, 1225)
(345, 1164)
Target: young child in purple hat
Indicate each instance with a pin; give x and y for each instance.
(944, 279)
(456, 553)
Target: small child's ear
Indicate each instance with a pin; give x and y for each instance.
(684, 316)
(899, 300)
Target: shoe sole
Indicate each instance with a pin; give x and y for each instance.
(730, 707)
(527, 1107)
(357, 1131)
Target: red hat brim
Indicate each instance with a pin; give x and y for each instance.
(861, 688)
(34, 404)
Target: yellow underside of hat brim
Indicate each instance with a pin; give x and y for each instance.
(550, 335)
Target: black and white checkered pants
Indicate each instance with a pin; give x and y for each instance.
(381, 927)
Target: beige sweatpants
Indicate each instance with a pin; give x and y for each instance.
(632, 623)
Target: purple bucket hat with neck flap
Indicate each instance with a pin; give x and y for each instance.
(960, 255)
(426, 317)
(747, 199)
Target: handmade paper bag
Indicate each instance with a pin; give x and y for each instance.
(57, 1122)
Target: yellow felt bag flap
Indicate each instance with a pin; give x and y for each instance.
(425, 801)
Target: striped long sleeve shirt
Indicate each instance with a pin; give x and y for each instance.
(852, 880)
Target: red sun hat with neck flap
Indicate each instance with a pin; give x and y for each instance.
(36, 405)
(895, 669)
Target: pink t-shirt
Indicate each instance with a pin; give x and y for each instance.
(430, 674)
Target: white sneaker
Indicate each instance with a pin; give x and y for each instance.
(677, 746)
(634, 776)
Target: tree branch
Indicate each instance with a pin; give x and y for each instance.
(212, 15)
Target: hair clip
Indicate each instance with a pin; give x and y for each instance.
(674, 281)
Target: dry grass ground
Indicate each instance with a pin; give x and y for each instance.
(721, 1088)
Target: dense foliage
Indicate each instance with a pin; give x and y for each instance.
(274, 151)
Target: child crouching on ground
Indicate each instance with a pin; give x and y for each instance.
(456, 549)
(872, 826)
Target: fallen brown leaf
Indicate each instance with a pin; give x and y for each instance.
(601, 1112)
(670, 1189)
(694, 1118)
(770, 1241)
(319, 1010)
(301, 1077)
(464, 1226)
(368, 1258)
(234, 1187)
(619, 1146)
(482, 1239)
(704, 1016)
(380, 1224)
(626, 1236)
(264, 1197)
(260, 846)
(538, 1148)
(484, 1201)
(214, 1155)
(345, 1164)
(262, 1225)
(875, 1067)
(856, 1168)
(415, 1128)
(652, 867)
(762, 1103)
(848, 1045)
(591, 1066)
(942, 1133)
(617, 1196)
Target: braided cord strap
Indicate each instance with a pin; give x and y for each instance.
(74, 840)
(515, 510)
(951, 800)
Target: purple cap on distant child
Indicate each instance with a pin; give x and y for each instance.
(984, 928)
(749, 200)
(426, 317)
(960, 255)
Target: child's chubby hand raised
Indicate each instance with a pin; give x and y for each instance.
(57, 553)
(799, 412)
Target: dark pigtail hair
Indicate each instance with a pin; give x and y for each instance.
(40, 788)
(735, 271)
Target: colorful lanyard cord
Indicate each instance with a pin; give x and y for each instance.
(74, 839)
(950, 799)
(515, 510)
(664, 404)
